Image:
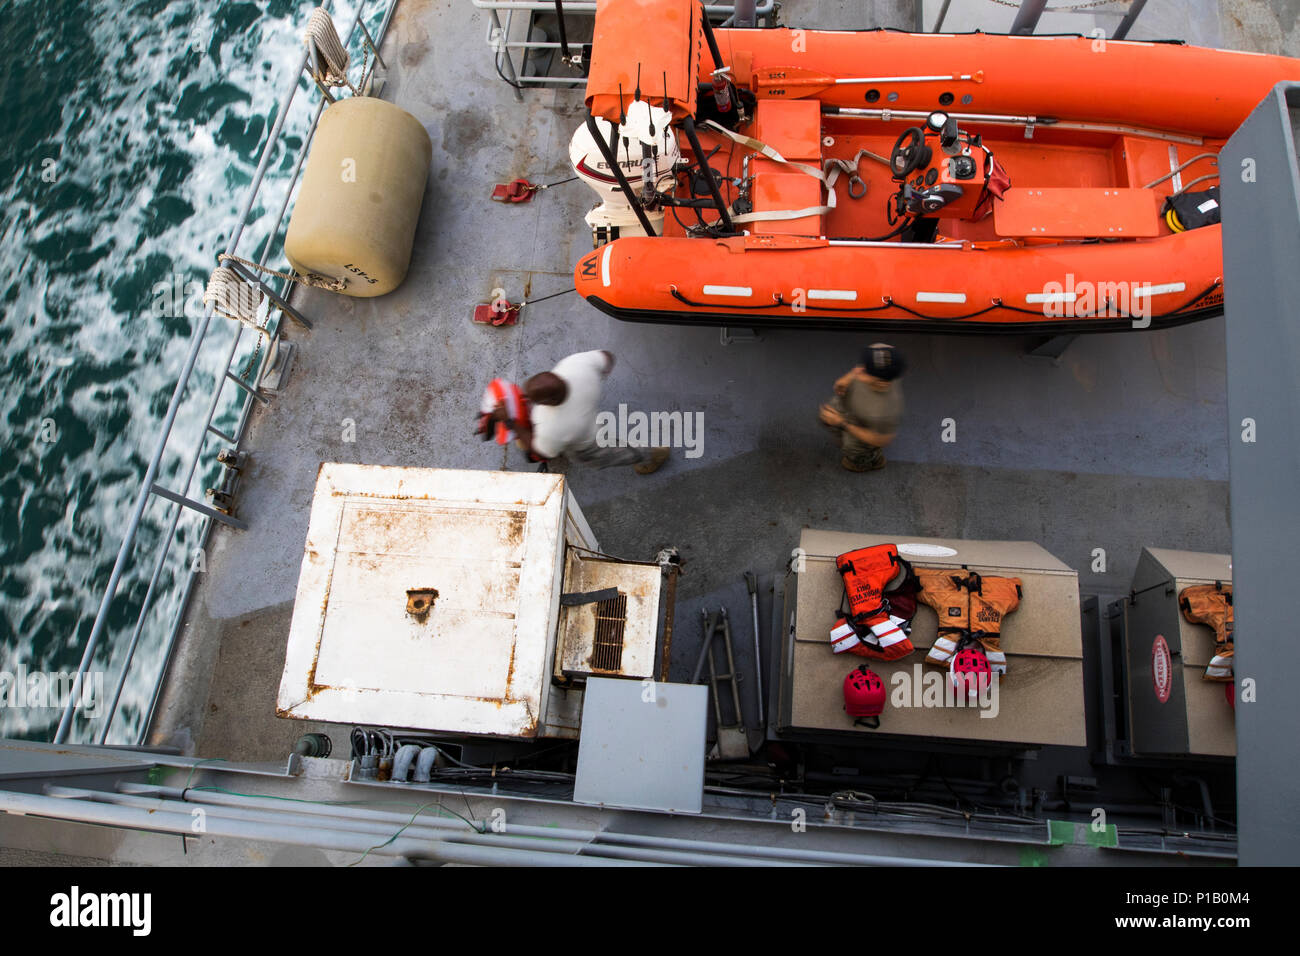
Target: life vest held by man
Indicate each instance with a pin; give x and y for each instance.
(499, 392)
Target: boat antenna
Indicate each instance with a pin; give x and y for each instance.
(622, 119)
(667, 109)
(638, 80)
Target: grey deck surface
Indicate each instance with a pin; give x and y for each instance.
(1120, 445)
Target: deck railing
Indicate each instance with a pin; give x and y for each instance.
(1029, 12)
(203, 339)
(506, 38)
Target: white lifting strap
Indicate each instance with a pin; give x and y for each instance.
(761, 147)
(781, 215)
(849, 167)
(827, 177)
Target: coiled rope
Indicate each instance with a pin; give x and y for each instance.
(331, 56)
(235, 298)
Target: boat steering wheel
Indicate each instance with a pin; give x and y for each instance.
(910, 153)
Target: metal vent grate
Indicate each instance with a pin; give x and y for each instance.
(607, 648)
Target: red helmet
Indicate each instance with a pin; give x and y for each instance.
(864, 693)
(969, 671)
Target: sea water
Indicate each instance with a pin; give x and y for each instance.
(130, 131)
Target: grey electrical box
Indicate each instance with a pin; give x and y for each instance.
(1171, 709)
(642, 745)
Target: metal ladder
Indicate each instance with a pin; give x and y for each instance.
(733, 741)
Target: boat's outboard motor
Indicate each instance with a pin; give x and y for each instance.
(646, 150)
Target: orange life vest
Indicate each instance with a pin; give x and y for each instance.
(970, 607)
(1212, 604)
(501, 391)
(868, 629)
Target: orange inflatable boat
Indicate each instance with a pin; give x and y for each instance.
(877, 179)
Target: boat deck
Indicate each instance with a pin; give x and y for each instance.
(1117, 445)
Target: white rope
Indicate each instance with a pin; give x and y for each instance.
(308, 279)
(331, 55)
(234, 298)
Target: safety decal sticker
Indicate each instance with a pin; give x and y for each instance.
(1162, 668)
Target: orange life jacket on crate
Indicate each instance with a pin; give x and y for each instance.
(970, 607)
(902, 596)
(1212, 604)
(868, 628)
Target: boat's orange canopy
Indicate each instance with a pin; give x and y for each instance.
(662, 37)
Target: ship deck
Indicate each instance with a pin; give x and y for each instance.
(1118, 444)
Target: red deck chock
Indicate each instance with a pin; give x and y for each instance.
(499, 312)
(520, 190)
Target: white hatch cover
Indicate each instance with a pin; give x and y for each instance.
(428, 599)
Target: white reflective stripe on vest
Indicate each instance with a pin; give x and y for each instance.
(888, 633)
(507, 394)
(843, 638)
(941, 650)
(1219, 667)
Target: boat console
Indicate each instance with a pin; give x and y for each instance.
(939, 166)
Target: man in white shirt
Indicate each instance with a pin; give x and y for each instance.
(564, 403)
